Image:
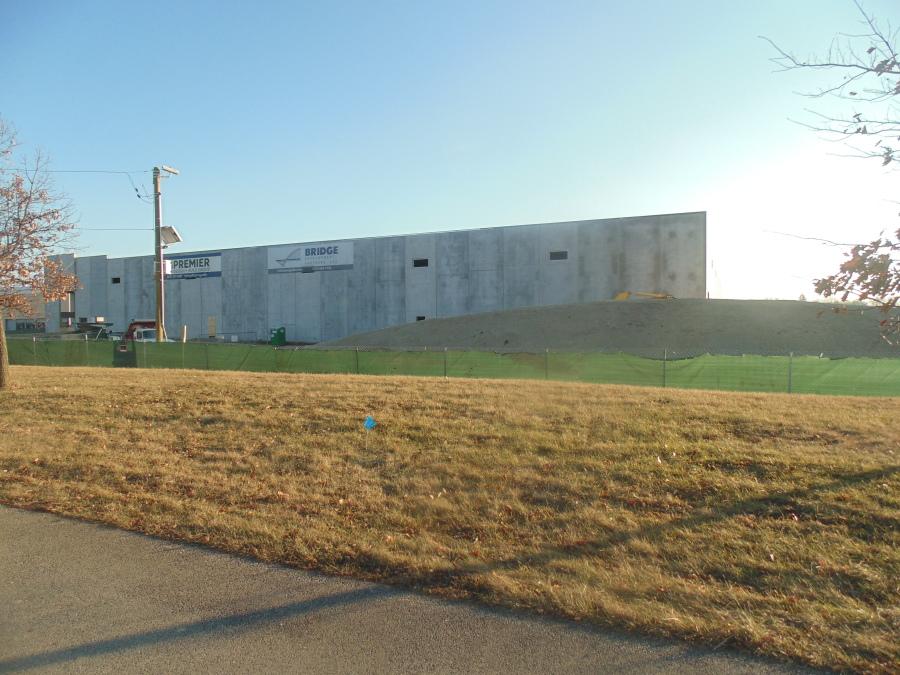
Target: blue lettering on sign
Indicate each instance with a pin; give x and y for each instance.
(321, 250)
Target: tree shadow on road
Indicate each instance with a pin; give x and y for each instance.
(186, 631)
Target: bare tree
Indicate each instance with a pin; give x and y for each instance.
(867, 66)
(34, 222)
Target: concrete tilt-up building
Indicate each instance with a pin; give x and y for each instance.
(330, 289)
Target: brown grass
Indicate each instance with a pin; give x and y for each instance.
(767, 522)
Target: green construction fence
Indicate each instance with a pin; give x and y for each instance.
(793, 374)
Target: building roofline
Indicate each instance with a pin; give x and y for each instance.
(410, 234)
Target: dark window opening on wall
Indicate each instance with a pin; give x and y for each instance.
(420, 318)
(117, 280)
(420, 262)
(559, 255)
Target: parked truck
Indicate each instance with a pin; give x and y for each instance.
(141, 331)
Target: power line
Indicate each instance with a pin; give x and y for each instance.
(117, 229)
(143, 197)
(88, 171)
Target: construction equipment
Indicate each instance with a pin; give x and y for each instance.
(625, 295)
(92, 330)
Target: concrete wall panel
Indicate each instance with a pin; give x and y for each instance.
(90, 297)
(421, 282)
(282, 303)
(452, 274)
(558, 279)
(390, 282)
(684, 250)
(306, 297)
(361, 284)
(115, 295)
(333, 304)
(485, 270)
(599, 261)
(520, 266)
(243, 283)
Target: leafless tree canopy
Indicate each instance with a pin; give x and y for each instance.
(867, 75)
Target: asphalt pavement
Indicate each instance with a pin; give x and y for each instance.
(79, 597)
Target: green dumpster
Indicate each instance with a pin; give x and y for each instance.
(277, 337)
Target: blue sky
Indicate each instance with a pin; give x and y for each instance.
(311, 121)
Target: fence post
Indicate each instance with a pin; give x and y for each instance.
(790, 371)
(357, 360)
(87, 351)
(665, 362)
(445, 363)
(547, 363)
(34, 348)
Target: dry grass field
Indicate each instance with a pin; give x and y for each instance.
(759, 521)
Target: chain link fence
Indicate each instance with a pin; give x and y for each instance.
(655, 368)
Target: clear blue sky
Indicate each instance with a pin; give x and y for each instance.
(299, 121)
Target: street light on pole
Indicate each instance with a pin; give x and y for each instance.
(163, 236)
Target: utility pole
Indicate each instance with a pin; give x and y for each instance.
(158, 272)
(163, 236)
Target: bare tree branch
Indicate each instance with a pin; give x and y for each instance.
(868, 70)
(34, 222)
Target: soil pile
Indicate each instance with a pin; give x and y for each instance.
(647, 327)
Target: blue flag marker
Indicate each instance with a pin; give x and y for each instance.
(369, 424)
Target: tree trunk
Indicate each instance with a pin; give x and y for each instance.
(4, 356)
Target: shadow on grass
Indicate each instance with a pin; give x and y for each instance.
(187, 631)
(759, 506)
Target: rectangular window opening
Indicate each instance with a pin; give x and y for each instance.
(420, 262)
(420, 318)
(117, 280)
(559, 255)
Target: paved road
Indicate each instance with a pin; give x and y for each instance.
(86, 598)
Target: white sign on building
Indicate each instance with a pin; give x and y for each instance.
(193, 265)
(318, 256)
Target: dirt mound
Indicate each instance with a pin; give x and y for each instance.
(684, 327)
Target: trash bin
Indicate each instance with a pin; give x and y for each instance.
(125, 355)
(277, 337)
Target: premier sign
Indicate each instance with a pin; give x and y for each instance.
(316, 257)
(194, 266)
